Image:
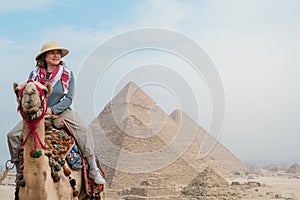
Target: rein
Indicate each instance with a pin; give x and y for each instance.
(32, 124)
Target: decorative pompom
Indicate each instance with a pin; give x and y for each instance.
(21, 183)
(53, 174)
(35, 153)
(56, 179)
(57, 167)
(56, 146)
(62, 162)
(75, 149)
(51, 161)
(19, 176)
(62, 136)
(75, 193)
(56, 157)
(73, 182)
(67, 171)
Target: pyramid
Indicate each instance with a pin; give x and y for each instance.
(294, 169)
(278, 168)
(137, 142)
(206, 149)
(209, 185)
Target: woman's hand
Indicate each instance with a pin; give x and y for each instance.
(49, 111)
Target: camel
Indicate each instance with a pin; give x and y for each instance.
(36, 170)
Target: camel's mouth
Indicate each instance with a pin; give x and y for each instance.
(32, 113)
(31, 108)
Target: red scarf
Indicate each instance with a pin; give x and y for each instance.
(39, 74)
(41, 77)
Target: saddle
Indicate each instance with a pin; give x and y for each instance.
(62, 148)
(62, 144)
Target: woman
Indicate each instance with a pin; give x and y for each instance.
(51, 69)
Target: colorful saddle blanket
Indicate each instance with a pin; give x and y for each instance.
(62, 147)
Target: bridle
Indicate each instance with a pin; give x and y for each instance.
(32, 123)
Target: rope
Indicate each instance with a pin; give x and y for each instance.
(6, 171)
(32, 124)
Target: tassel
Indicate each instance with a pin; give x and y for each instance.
(35, 153)
(56, 179)
(75, 193)
(57, 167)
(72, 182)
(55, 176)
(67, 171)
(21, 183)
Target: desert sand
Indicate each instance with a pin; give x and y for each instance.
(269, 187)
(272, 186)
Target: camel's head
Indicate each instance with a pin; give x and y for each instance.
(31, 98)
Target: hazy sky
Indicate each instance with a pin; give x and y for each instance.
(253, 44)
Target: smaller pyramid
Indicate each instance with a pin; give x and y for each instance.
(205, 150)
(278, 168)
(209, 185)
(294, 169)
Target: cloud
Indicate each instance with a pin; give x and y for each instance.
(167, 14)
(16, 5)
(6, 44)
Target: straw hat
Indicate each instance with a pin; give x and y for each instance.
(52, 46)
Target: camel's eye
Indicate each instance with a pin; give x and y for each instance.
(45, 92)
(29, 93)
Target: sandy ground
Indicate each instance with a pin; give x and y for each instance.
(6, 192)
(271, 188)
(7, 188)
(287, 187)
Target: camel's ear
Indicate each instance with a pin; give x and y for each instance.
(16, 89)
(48, 90)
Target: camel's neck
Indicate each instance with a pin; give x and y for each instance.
(36, 170)
(33, 140)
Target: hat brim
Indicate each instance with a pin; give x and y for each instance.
(64, 52)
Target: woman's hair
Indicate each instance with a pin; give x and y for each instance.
(41, 62)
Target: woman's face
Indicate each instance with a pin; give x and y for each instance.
(53, 58)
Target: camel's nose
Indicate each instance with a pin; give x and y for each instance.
(29, 101)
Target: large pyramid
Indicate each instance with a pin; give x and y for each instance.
(138, 142)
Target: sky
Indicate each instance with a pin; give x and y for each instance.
(253, 45)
